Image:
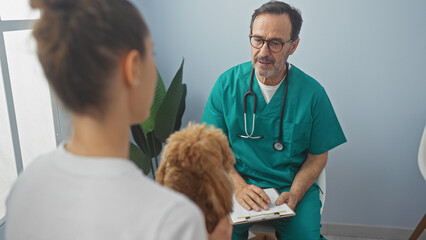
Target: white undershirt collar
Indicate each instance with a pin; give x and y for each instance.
(269, 91)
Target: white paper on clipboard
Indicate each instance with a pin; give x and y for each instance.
(241, 215)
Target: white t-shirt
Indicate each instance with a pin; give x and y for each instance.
(269, 91)
(64, 196)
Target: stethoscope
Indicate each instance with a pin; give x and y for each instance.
(278, 145)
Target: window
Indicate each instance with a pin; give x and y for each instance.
(17, 10)
(8, 172)
(31, 123)
(31, 96)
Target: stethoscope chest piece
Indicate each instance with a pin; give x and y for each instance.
(279, 146)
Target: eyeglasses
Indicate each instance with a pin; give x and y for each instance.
(273, 45)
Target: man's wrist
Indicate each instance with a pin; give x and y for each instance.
(296, 194)
(239, 183)
(237, 180)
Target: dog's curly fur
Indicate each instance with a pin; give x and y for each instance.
(196, 162)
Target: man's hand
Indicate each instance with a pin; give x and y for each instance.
(251, 197)
(307, 175)
(290, 199)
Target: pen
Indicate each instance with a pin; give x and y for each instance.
(263, 214)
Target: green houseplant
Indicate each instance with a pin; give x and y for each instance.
(165, 117)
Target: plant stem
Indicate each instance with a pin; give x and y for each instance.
(152, 169)
(156, 162)
(154, 149)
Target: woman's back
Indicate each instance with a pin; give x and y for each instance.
(64, 196)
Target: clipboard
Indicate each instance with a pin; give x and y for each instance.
(240, 215)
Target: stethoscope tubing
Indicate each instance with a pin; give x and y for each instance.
(250, 93)
(278, 145)
(283, 105)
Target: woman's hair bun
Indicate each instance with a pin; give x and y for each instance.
(81, 42)
(52, 4)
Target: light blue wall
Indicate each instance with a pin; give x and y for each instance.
(369, 55)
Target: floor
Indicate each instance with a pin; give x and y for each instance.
(261, 229)
(422, 237)
(347, 238)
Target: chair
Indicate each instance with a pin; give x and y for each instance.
(422, 166)
(265, 230)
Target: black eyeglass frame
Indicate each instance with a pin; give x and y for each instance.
(268, 42)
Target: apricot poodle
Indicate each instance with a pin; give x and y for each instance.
(196, 162)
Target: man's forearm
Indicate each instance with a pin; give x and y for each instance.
(236, 178)
(308, 174)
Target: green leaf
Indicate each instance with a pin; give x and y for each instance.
(155, 144)
(160, 92)
(165, 117)
(181, 110)
(140, 159)
(140, 138)
(165, 120)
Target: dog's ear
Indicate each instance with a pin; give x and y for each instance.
(218, 190)
(224, 157)
(228, 158)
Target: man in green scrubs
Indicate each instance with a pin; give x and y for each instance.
(309, 126)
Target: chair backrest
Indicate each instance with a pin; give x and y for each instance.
(422, 154)
(321, 183)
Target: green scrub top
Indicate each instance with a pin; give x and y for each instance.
(309, 125)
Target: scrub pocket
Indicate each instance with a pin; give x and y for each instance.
(297, 137)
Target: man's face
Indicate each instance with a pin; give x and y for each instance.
(272, 27)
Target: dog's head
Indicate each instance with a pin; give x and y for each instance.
(196, 162)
